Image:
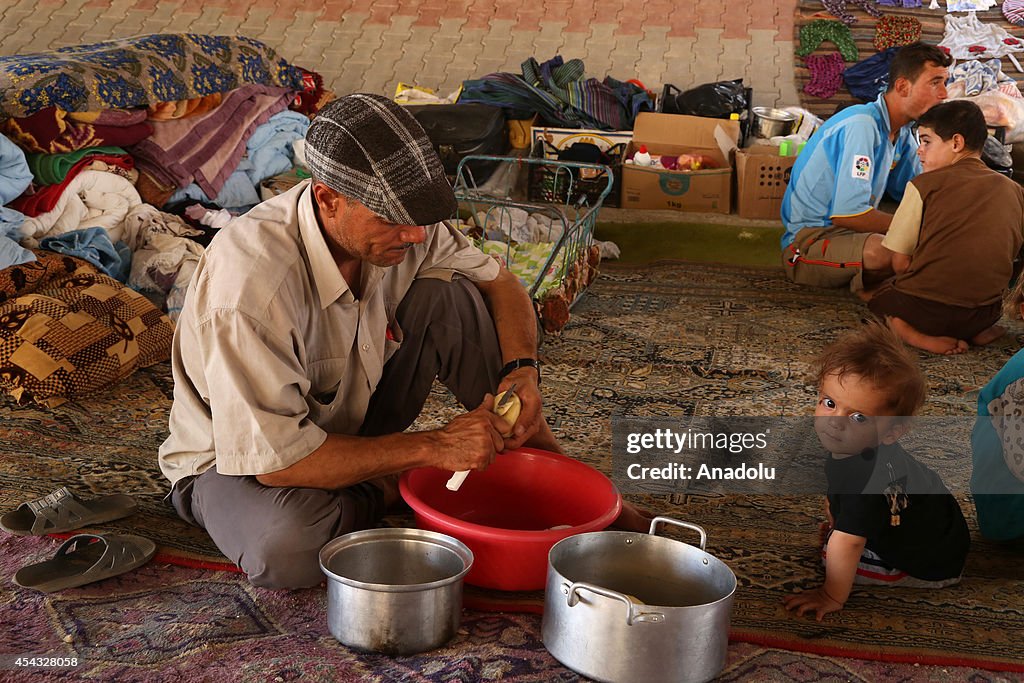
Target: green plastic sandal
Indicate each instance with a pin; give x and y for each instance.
(86, 558)
(62, 511)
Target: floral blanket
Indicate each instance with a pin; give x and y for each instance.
(55, 131)
(526, 260)
(138, 72)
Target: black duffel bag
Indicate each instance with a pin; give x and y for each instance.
(458, 130)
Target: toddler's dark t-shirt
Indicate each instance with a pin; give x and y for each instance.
(932, 538)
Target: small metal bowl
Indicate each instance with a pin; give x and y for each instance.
(769, 123)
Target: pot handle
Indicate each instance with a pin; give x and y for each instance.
(572, 593)
(685, 525)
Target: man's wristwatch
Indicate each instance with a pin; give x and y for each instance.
(520, 363)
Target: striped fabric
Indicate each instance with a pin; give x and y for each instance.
(558, 92)
(1013, 10)
(872, 570)
(510, 92)
(863, 33)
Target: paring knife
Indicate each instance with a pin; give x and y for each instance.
(458, 477)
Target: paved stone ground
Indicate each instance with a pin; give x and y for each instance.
(371, 45)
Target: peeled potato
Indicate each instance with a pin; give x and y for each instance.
(508, 412)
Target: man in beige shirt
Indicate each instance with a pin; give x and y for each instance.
(312, 332)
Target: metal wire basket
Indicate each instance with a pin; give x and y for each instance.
(549, 246)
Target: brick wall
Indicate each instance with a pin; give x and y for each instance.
(370, 45)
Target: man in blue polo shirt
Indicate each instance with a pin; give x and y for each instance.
(830, 210)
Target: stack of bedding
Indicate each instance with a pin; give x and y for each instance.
(96, 140)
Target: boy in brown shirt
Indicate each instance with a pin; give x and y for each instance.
(953, 238)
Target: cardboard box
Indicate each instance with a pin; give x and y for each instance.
(558, 139)
(655, 188)
(761, 179)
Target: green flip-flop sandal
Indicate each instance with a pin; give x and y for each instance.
(85, 558)
(62, 511)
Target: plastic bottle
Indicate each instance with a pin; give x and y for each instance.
(642, 157)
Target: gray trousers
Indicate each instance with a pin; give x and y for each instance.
(274, 534)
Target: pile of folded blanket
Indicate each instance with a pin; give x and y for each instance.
(123, 153)
(111, 141)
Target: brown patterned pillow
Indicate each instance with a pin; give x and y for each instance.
(76, 336)
(28, 277)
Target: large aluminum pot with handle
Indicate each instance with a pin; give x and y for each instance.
(625, 606)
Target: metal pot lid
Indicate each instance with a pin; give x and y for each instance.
(396, 560)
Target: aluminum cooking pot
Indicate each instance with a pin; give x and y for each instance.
(394, 591)
(623, 606)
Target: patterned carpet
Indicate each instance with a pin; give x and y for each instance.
(670, 339)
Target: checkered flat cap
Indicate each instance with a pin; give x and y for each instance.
(372, 150)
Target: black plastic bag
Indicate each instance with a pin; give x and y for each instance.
(713, 100)
(996, 156)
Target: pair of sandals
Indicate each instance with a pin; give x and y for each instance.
(83, 558)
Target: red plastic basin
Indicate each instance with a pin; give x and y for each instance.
(505, 513)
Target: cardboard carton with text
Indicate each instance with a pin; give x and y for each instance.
(707, 190)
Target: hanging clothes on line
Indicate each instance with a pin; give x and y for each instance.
(967, 37)
(969, 5)
(837, 8)
(976, 77)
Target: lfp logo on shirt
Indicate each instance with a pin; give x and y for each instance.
(861, 167)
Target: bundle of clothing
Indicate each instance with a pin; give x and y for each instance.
(974, 77)
(559, 94)
(97, 139)
(979, 76)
